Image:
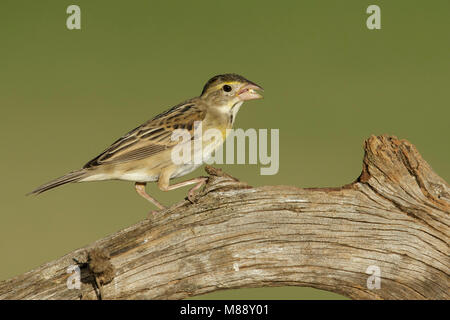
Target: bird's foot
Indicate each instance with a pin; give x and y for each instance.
(152, 213)
(192, 194)
(192, 198)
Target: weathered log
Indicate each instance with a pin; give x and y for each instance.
(394, 217)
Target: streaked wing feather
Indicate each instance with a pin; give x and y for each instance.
(152, 137)
(140, 153)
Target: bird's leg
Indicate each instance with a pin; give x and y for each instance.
(201, 182)
(163, 184)
(140, 189)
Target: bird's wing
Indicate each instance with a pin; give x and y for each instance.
(152, 137)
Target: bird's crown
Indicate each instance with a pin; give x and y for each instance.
(228, 78)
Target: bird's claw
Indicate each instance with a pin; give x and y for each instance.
(151, 214)
(192, 197)
(194, 193)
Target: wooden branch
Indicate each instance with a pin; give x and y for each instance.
(395, 217)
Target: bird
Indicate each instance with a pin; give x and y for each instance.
(145, 154)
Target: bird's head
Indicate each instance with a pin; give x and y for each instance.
(229, 90)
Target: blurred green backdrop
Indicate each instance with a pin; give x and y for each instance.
(329, 84)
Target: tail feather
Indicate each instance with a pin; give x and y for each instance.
(70, 177)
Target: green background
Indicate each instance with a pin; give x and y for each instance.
(329, 84)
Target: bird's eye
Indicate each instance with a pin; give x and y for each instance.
(226, 88)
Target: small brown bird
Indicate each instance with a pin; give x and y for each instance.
(145, 153)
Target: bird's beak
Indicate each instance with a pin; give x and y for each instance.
(249, 92)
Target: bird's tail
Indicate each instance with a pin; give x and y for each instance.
(74, 176)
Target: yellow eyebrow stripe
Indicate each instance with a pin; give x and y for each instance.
(222, 84)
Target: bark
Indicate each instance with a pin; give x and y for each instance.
(394, 217)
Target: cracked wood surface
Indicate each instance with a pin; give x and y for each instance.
(394, 216)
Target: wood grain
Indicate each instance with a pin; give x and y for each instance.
(395, 216)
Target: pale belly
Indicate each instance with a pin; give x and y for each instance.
(144, 176)
(189, 167)
(184, 170)
(141, 174)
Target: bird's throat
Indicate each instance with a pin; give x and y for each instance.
(234, 110)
